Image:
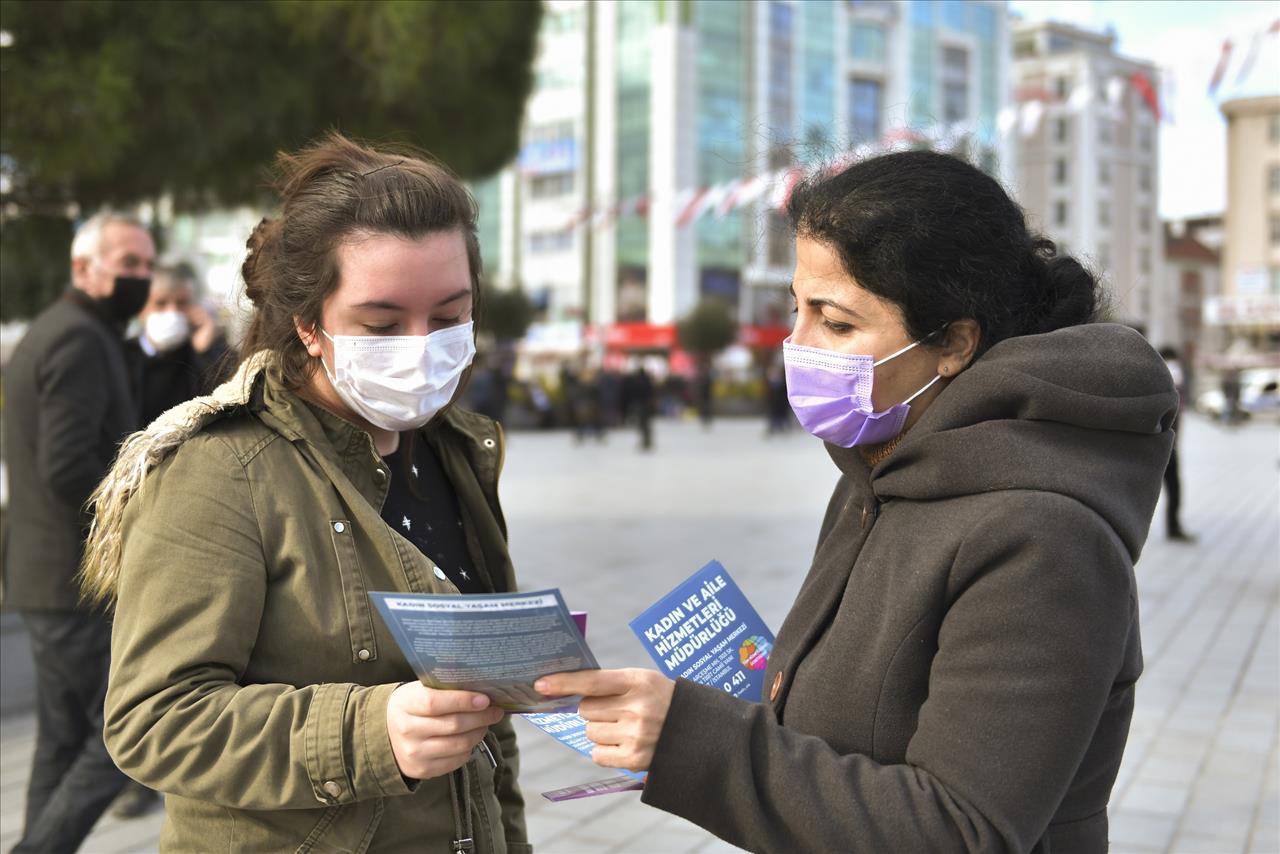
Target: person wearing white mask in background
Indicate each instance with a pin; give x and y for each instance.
(179, 352)
(239, 535)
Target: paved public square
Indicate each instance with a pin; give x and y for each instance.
(615, 529)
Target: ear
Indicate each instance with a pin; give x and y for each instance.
(958, 345)
(80, 271)
(310, 337)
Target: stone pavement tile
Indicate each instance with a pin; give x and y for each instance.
(1216, 794)
(585, 817)
(665, 841)
(716, 845)
(1169, 770)
(1143, 831)
(1247, 766)
(658, 831)
(1193, 724)
(14, 773)
(1154, 799)
(627, 826)
(1209, 817)
(1266, 823)
(579, 842)
(1213, 844)
(1266, 827)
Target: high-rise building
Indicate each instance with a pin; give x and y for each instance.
(1251, 252)
(1191, 276)
(659, 141)
(1088, 162)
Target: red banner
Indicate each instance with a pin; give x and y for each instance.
(1147, 91)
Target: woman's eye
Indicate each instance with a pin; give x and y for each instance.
(448, 321)
(379, 330)
(836, 326)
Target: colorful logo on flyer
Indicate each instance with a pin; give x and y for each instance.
(754, 653)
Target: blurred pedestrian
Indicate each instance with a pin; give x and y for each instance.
(1231, 388)
(238, 537)
(67, 407)
(777, 407)
(638, 397)
(568, 391)
(958, 670)
(179, 353)
(588, 408)
(1172, 481)
(612, 398)
(487, 389)
(703, 395)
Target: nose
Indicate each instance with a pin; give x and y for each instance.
(801, 331)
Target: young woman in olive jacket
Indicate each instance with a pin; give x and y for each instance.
(240, 534)
(957, 672)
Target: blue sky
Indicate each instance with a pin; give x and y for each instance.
(1184, 38)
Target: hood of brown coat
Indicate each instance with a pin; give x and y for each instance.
(1085, 412)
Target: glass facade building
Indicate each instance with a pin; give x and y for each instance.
(695, 94)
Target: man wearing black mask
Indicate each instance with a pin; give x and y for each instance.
(67, 407)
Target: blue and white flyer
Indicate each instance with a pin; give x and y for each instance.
(707, 632)
(495, 644)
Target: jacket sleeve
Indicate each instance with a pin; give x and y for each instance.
(1028, 655)
(190, 599)
(74, 384)
(509, 796)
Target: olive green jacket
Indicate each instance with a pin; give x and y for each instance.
(249, 674)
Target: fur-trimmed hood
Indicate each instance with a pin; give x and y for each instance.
(140, 453)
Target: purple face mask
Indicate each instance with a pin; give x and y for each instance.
(830, 393)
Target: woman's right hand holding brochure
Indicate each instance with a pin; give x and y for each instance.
(433, 731)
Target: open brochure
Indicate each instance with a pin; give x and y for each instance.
(494, 644)
(704, 630)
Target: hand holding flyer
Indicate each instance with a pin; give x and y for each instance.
(705, 631)
(494, 644)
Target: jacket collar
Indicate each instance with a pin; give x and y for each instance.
(79, 298)
(352, 449)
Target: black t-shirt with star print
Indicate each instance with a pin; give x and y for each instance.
(430, 519)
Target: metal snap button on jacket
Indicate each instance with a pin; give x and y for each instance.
(332, 788)
(339, 527)
(363, 655)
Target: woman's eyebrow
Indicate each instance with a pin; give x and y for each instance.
(379, 303)
(819, 302)
(456, 295)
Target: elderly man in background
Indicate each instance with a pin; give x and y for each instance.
(67, 407)
(179, 353)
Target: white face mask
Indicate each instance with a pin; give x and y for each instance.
(166, 329)
(399, 382)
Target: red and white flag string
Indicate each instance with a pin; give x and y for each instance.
(771, 189)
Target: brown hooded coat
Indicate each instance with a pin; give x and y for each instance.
(957, 672)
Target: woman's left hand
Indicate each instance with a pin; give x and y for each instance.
(624, 710)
